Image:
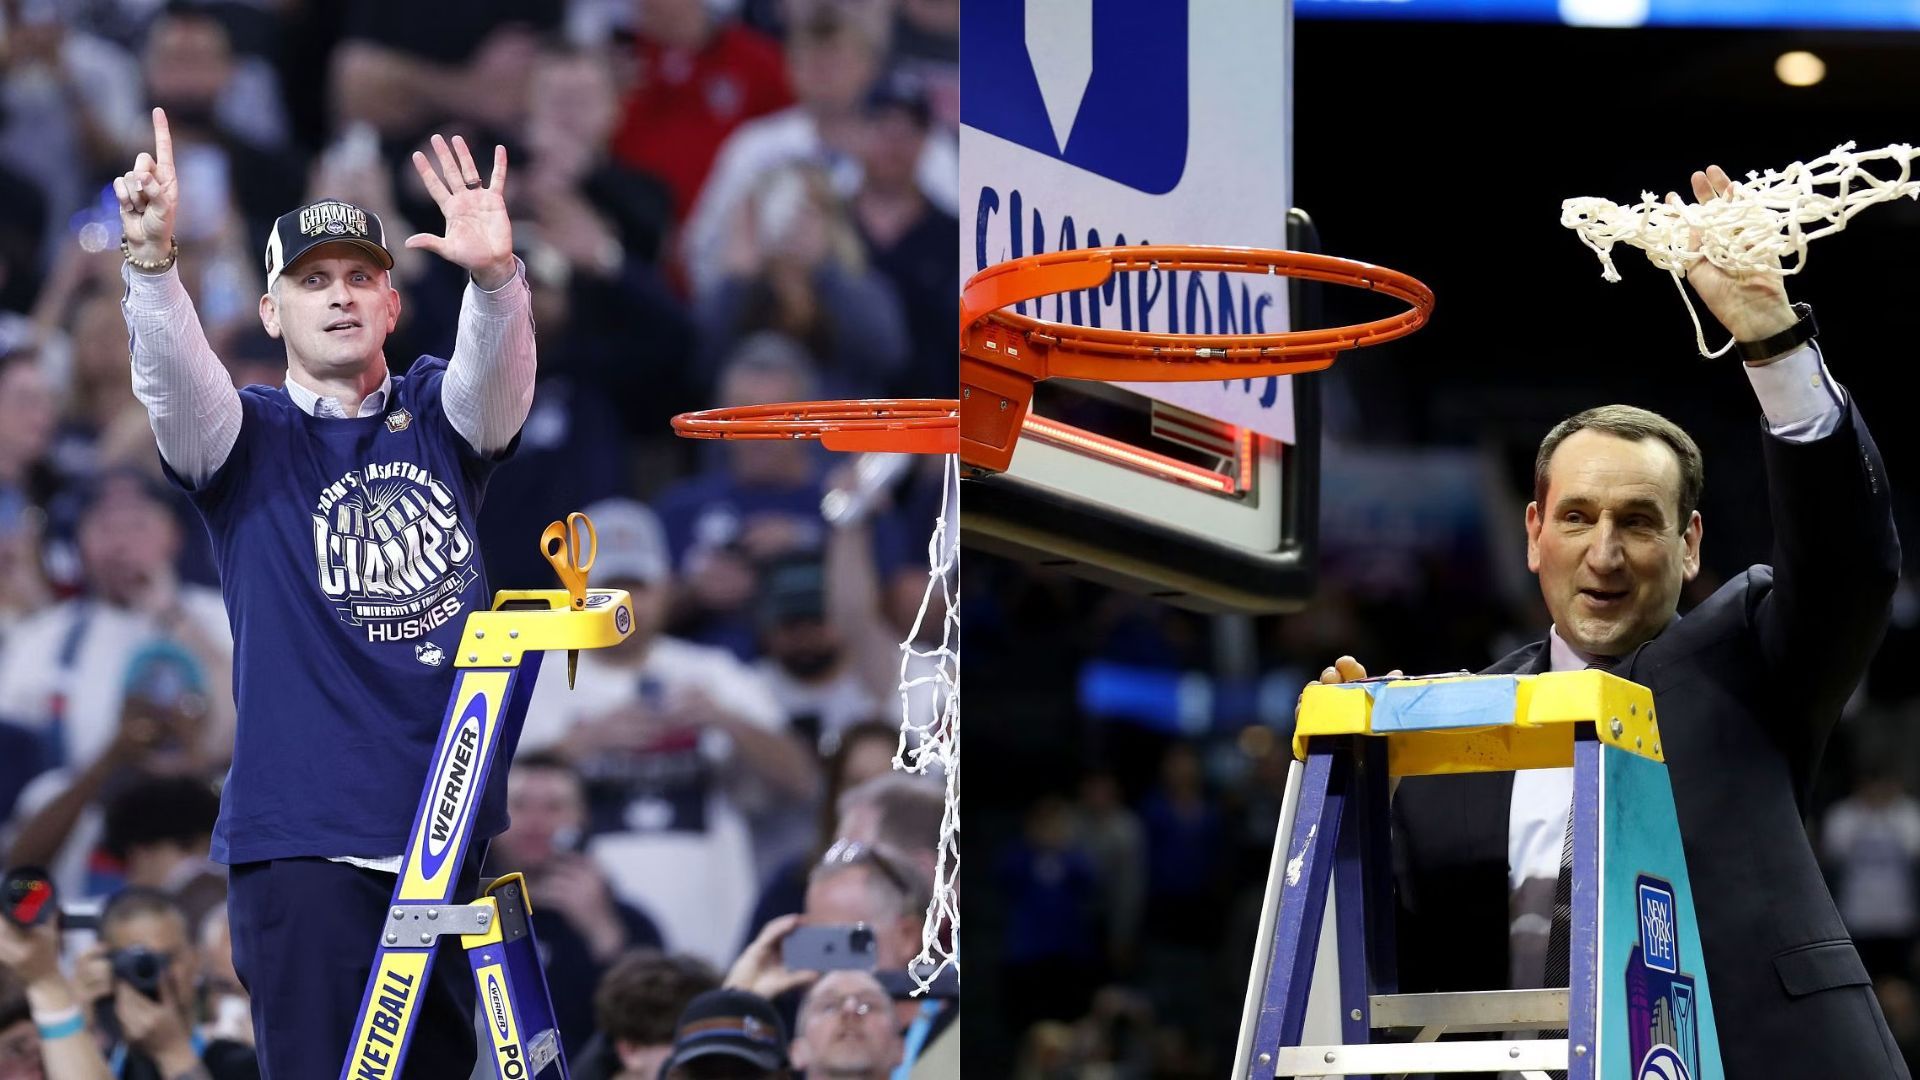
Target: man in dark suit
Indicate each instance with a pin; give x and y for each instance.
(1750, 685)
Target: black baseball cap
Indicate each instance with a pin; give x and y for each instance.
(329, 221)
(729, 1023)
(904, 90)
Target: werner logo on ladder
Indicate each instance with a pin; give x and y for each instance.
(498, 661)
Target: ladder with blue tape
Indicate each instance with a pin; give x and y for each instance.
(497, 666)
(1322, 998)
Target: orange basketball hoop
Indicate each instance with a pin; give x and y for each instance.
(929, 671)
(1002, 353)
(886, 425)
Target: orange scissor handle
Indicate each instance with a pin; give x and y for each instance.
(571, 559)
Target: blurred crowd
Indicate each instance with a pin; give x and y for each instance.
(718, 202)
(1142, 755)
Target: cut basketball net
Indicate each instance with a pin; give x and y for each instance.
(930, 673)
(933, 737)
(1756, 227)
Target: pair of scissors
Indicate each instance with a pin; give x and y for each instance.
(571, 559)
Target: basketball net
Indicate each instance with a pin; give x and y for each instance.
(1756, 227)
(930, 734)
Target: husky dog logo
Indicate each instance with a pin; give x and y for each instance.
(429, 654)
(398, 419)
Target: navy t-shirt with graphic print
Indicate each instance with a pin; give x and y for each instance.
(349, 562)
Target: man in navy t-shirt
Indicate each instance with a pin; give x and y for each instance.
(341, 511)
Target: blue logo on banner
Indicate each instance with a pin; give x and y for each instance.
(1659, 927)
(1124, 119)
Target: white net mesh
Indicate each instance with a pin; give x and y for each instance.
(930, 724)
(1760, 226)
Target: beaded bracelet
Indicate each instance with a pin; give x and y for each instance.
(173, 256)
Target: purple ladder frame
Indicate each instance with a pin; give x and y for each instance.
(1343, 810)
(1583, 983)
(1339, 833)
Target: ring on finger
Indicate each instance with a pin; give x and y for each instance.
(472, 184)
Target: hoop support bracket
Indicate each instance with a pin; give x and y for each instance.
(993, 406)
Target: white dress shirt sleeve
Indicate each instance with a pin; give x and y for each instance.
(1798, 395)
(488, 389)
(190, 398)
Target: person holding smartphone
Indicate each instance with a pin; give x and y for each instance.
(863, 912)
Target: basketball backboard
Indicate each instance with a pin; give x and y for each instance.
(1136, 121)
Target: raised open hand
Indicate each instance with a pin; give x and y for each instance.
(479, 236)
(1751, 306)
(149, 195)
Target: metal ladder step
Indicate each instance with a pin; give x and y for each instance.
(1432, 1015)
(1479, 1010)
(1505, 1055)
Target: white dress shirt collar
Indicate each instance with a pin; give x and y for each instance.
(313, 404)
(1560, 655)
(1564, 657)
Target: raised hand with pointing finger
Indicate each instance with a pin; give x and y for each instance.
(149, 195)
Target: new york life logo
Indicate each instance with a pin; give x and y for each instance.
(1098, 84)
(1659, 928)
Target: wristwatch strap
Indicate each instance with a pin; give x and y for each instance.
(1802, 331)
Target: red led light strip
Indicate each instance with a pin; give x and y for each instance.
(1132, 457)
